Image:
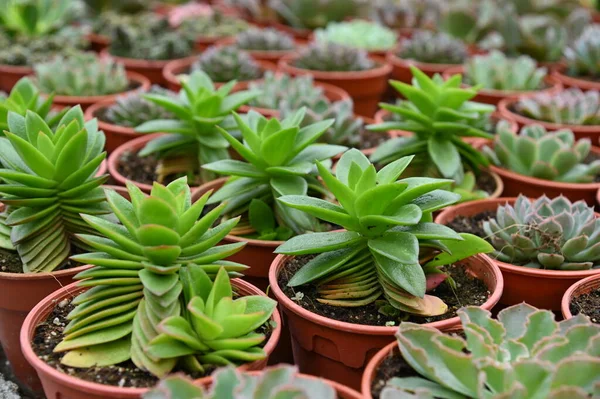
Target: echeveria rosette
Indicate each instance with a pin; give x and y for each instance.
(136, 280)
(390, 245)
(34, 18)
(215, 329)
(524, 354)
(568, 107)
(198, 110)
(552, 234)
(583, 55)
(279, 160)
(440, 116)
(48, 180)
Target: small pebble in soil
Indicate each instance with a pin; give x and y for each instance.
(588, 304)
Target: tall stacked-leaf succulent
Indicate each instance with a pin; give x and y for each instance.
(390, 246)
(568, 107)
(358, 33)
(399, 14)
(267, 39)
(433, 48)
(583, 55)
(546, 234)
(133, 109)
(523, 354)
(193, 138)
(534, 152)
(216, 24)
(152, 279)
(279, 160)
(48, 181)
(225, 63)
(333, 57)
(313, 14)
(296, 92)
(440, 115)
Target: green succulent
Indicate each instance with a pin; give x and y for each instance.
(133, 109)
(215, 24)
(534, 152)
(256, 10)
(262, 220)
(433, 48)
(440, 115)
(267, 39)
(333, 57)
(358, 33)
(161, 255)
(34, 17)
(524, 354)
(583, 55)
(468, 190)
(227, 63)
(108, 21)
(312, 14)
(124, 7)
(272, 383)
(280, 158)
(568, 107)
(278, 88)
(390, 246)
(193, 135)
(537, 36)
(469, 20)
(400, 14)
(495, 71)
(81, 74)
(48, 180)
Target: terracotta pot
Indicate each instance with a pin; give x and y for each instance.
(141, 82)
(10, 75)
(58, 385)
(151, 69)
(102, 169)
(298, 33)
(538, 287)
(506, 108)
(98, 43)
(115, 134)
(339, 351)
(490, 96)
(365, 87)
(262, 55)
(573, 81)
(372, 367)
(401, 68)
(581, 287)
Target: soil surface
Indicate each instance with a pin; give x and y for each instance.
(10, 262)
(472, 224)
(392, 366)
(369, 139)
(471, 292)
(588, 304)
(485, 182)
(138, 169)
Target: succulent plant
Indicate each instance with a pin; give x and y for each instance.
(272, 383)
(555, 156)
(108, 21)
(34, 17)
(537, 36)
(280, 160)
(227, 63)
(399, 14)
(193, 135)
(495, 71)
(469, 20)
(267, 39)
(312, 14)
(215, 24)
(433, 48)
(48, 180)
(276, 89)
(389, 246)
(262, 220)
(358, 33)
(333, 57)
(583, 56)
(133, 109)
(81, 74)
(568, 107)
(161, 255)
(124, 7)
(439, 114)
(523, 354)
(468, 190)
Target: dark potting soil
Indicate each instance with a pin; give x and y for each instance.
(471, 291)
(471, 224)
(588, 304)
(10, 262)
(49, 333)
(369, 139)
(138, 169)
(485, 182)
(591, 158)
(392, 366)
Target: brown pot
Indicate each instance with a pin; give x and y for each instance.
(151, 69)
(140, 82)
(365, 87)
(58, 385)
(339, 351)
(401, 68)
(98, 43)
(506, 108)
(490, 96)
(540, 288)
(571, 81)
(262, 55)
(371, 370)
(581, 287)
(10, 75)
(298, 33)
(115, 134)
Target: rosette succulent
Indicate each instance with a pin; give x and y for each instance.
(267, 39)
(226, 63)
(312, 14)
(534, 152)
(399, 14)
(133, 109)
(333, 57)
(568, 107)
(523, 354)
(108, 21)
(469, 20)
(390, 247)
(496, 71)
(215, 24)
(546, 234)
(152, 277)
(34, 17)
(358, 33)
(81, 74)
(48, 181)
(277, 89)
(279, 160)
(583, 55)
(433, 48)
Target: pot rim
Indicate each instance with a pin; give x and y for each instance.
(140, 62)
(265, 54)
(14, 69)
(574, 81)
(381, 69)
(372, 366)
(43, 275)
(90, 113)
(393, 59)
(569, 295)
